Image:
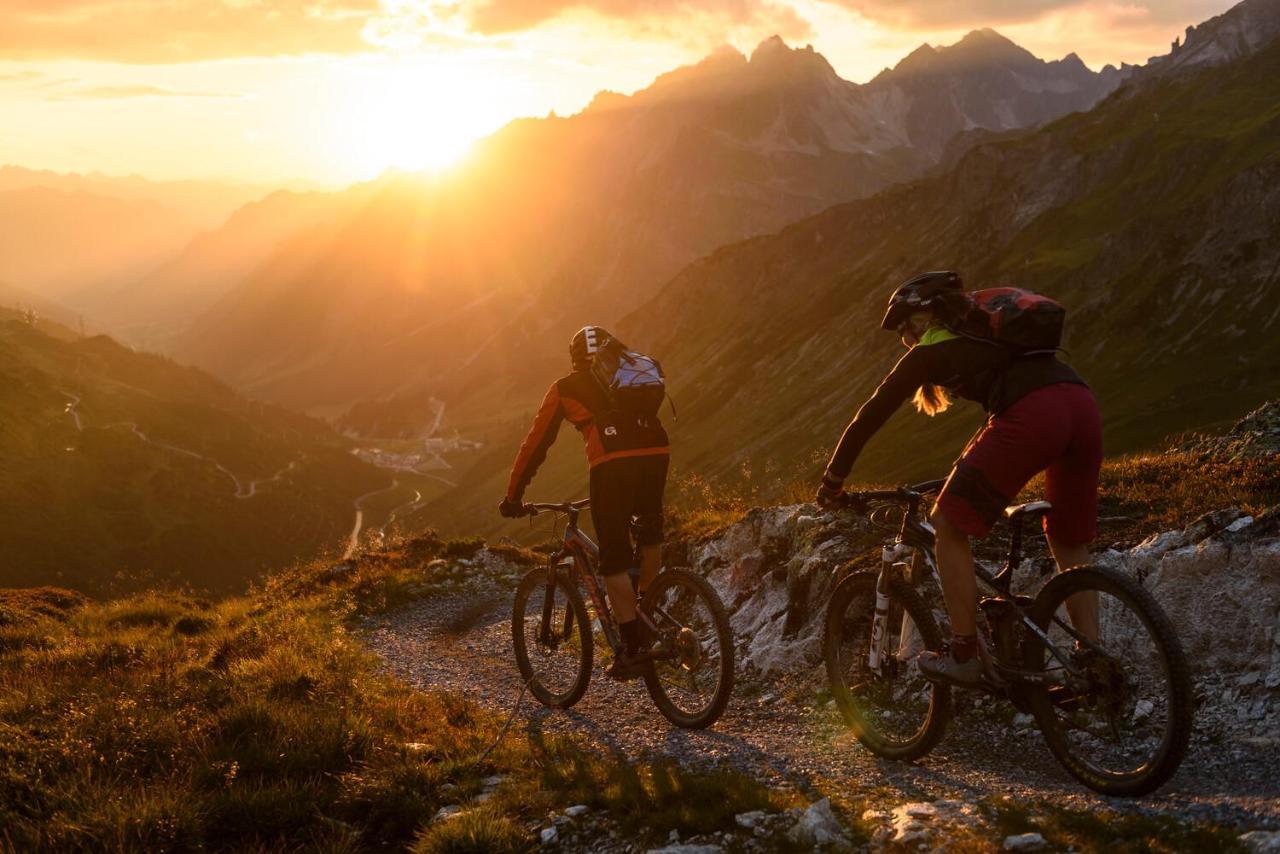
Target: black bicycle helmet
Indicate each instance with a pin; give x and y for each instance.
(919, 294)
(585, 344)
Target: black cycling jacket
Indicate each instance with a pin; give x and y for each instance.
(965, 367)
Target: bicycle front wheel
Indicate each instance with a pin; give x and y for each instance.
(1119, 718)
(892, 709)
(692, 687)
(552, 636)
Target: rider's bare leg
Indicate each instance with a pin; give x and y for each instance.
(955, 567)
(650, 563)
(1082, 607)
(622, 598)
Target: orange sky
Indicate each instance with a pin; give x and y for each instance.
(338, 90)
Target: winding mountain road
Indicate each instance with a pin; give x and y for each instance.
(241, 490)
(353, 541)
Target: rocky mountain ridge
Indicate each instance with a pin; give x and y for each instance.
(555, 219)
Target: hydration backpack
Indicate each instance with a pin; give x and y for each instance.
(1023, 321)
(633, 382)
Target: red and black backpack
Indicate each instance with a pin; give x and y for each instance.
(1023, 321)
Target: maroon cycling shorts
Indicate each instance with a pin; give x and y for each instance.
(1056, 430)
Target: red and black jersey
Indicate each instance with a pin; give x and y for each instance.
(609, 435)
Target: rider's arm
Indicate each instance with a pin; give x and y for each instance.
(546, 424)
(912, 371)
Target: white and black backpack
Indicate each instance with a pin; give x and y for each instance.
(633, 382)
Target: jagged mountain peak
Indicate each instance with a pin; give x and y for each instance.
(979, 49)
(774, 45)
(1238, 32)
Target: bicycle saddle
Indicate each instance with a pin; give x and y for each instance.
(1030, 510)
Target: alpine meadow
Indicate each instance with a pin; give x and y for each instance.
(926, 361)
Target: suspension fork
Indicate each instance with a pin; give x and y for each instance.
(880, 621)
(545, 631)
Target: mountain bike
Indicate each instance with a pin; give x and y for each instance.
(1115, 710)
(689, 668)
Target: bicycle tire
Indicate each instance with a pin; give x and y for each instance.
(1137, 598)
(861, 586)
(706, 716)
(534, 581)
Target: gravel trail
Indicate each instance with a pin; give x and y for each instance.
(462, 644)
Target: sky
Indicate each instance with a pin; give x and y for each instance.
(336, 91)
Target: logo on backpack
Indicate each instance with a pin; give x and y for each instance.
(633, 382)
(1021, 320)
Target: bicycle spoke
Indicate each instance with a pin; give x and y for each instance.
(1119, 690)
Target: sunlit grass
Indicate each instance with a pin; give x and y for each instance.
(166, 722)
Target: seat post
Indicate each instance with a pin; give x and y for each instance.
(1004, 578)
(1015, 544)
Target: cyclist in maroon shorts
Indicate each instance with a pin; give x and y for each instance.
(1041, 417)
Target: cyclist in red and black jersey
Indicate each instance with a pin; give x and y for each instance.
(628, 458)
(1041, 417)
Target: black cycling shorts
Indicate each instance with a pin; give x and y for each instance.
(626, 499)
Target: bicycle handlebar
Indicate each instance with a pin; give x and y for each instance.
(901, 494)
(561, 507)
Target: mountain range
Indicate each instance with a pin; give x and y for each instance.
(441, 285)
(71, 238)
(743, 219)
(1152, 217)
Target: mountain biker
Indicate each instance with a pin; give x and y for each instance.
(628, 458)
(1041, 417)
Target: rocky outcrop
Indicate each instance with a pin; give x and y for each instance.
(1255, 435)
(775, 570)
(1218, 579)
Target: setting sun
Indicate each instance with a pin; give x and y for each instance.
(415, 116)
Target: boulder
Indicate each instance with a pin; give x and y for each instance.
(818, 825)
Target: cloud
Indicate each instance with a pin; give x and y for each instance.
(947, 14)
(20, 76)
(181, 30)
(504, 16)
(115, 93)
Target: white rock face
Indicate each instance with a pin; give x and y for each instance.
(1261, 841)
(1218, 580)
(1024, 842)
(818, 825)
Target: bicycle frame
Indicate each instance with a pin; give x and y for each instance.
(916, 536)
(586, 557)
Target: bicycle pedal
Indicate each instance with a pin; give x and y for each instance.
(1064, 698)
(657, 653)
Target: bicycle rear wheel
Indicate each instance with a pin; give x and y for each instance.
(1120, 726)
(691, 689)
(894, 711)
(556, 663)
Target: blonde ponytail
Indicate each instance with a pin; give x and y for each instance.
(931, 399)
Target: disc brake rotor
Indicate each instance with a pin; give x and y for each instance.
(688, 648)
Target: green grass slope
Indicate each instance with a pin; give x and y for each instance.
(101, 506)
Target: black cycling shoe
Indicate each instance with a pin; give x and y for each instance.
(624, 667)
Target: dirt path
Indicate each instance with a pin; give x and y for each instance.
(464, 646)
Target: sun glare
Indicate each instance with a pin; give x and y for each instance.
(416, 118)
